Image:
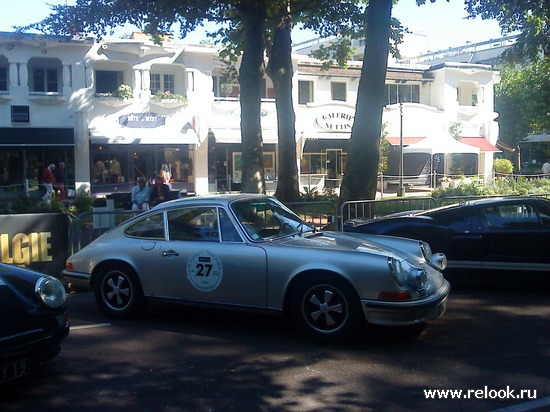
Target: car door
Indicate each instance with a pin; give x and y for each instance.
(206, 260)
(515, 236)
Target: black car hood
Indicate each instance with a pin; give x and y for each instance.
(19, 304)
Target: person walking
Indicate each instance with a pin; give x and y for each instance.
(48, 179)
(60, 180)
(546, 168)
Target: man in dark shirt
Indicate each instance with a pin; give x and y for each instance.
(160, 192)
(60, 180)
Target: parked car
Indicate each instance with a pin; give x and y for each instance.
(33, 320)
(495, 239)
(252, 252)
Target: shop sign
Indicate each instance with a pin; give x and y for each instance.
(43, 248)
(20, 114)
(142, 120)
(336, 121)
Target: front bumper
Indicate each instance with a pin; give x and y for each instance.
(22, 353)
(77, 280)
(409, 312)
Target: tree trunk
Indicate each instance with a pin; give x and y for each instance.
(362, 162)
(280, 71)
(251, 72)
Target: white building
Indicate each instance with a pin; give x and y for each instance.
(58, 100)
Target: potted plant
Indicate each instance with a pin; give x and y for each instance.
(123, 92)
(169, 99)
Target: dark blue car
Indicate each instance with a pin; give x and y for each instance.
(33, 320)
(496, 239)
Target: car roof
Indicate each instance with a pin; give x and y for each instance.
(220, 199)
(485, 201)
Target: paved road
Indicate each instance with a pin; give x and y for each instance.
(181, 359)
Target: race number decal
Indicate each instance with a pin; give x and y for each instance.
(204, 271)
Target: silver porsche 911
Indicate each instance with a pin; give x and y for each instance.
(252, 252)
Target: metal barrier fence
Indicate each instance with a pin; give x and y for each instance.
(88, 226)
(370, 209)
(322, 214)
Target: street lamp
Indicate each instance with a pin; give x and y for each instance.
(401, 188)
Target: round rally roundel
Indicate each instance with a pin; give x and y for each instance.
(204, 271)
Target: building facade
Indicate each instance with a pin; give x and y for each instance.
(117, 109)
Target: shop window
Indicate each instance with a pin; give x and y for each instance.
(313, 163)
(305, 92)
(338, 91)
(3, 79)
(108, 81)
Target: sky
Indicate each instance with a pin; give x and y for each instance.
(443, 22)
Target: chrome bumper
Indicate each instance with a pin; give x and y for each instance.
(408, 312)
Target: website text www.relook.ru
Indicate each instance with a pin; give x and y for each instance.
(485, 393)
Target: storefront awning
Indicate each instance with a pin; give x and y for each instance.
(158, 135)
(481, 143)
(440, 142)
(234, 136)
(396, 141)
(36, 137)
(143, 128)
(326, 135)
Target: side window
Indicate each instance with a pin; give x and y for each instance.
(513, 216)
(152, 227)
(194, 223)
(229, 233)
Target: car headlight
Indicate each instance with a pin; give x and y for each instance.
(404, 273)
(417, 278)
(439, 261)
(397, 271)
(50, 291)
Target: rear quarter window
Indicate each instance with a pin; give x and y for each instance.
(151, 227)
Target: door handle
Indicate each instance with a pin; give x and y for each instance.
(166, 253)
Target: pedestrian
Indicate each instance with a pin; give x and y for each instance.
(60, 180)
(48, 179)
(140, 195)
(546, 167)
(160, 192)
(166, 174)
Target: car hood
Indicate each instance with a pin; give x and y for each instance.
(21, 281)
(351, 242)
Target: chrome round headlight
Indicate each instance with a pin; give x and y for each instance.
(417, 278)
(50, 291)
(439, 261)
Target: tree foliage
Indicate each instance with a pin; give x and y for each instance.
(529, 17)
(522, 100)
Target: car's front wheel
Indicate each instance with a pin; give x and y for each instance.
(326, 309)
(118, 291)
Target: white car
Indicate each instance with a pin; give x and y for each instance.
(252, 252)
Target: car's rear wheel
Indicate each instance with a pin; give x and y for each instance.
(326, 308)
(118, 291)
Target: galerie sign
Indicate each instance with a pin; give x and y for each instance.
(35, 241)
(336, 120)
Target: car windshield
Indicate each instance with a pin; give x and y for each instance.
(266, 219)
